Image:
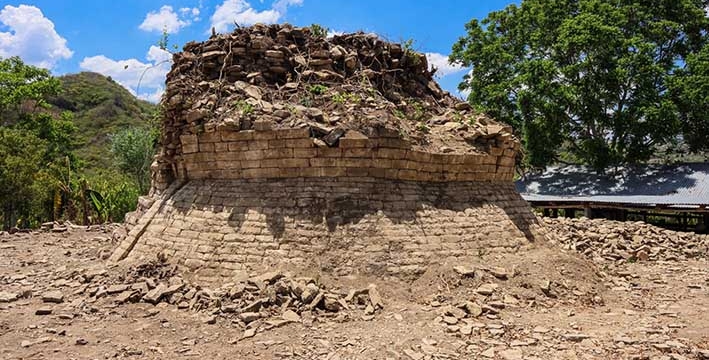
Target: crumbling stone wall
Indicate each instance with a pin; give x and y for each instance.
(292, 153)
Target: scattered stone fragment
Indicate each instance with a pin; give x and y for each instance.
(43, 311)
(6, 297)
(464, 271)
(154, 295)
(486, 289)
(249, 333)
(374, 297)
(499, 273)
(413, 355)
(575, 337)
(54, 296)
(473, 309)
(291, 315)
(489, 353)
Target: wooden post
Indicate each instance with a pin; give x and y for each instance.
(545, 212)
(555, 213)
(588, 212)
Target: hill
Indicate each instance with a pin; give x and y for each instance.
(101, 107)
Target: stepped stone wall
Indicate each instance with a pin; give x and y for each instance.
(252, 200)
(224, 228)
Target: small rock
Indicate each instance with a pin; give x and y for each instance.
(81, 341)
(115, 289)
(473, 309)
(43, 311)
(248, 317)
(153, 296)
(575, 337)
(489, 353)
(374, 297)
(499, 273)
(413, 355)
(249, 333)
(450, 320)
(464, 271)
(486, 289)
(455, 312)
(291, 315)
(511, 354)
(8, 296)
(53, 297)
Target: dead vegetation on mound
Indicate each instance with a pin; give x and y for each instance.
(280, 76)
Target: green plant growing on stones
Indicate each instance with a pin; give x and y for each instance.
(458, 117)
(306, 101)
(422, 127)
(344, 97)
(245, 108)
(400, 114)
(419, 112)
(317, 89)
(409, 51)
(318, 31)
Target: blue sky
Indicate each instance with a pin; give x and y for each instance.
(118, 37)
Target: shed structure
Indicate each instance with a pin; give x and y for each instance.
(675, 196)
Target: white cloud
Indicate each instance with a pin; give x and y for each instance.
(241, 12)
(282, 5)
(440, 62)
(190, 12)
(32, 37)
(129, 72)
(166, 19)
(333, 33)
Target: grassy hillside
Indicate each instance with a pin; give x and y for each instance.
(101, 107)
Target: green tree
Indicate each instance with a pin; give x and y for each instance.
(22, 88)
(586, 80)
(20, 158)
(690, 90)
(133, 150)
(34, 145)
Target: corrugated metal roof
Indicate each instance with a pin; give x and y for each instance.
(684, 185)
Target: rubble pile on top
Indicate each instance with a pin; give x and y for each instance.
(279, 76)
(615, 240)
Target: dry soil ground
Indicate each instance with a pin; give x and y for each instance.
(646, 310)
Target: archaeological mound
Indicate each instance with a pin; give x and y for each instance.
(281, 148)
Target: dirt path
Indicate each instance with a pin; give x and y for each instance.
(650, 310)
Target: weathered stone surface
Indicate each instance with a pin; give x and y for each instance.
(53, 296)
(6, 296)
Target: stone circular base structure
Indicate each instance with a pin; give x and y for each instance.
(283, 148)
(253, 200)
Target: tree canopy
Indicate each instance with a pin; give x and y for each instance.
(591, 81)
